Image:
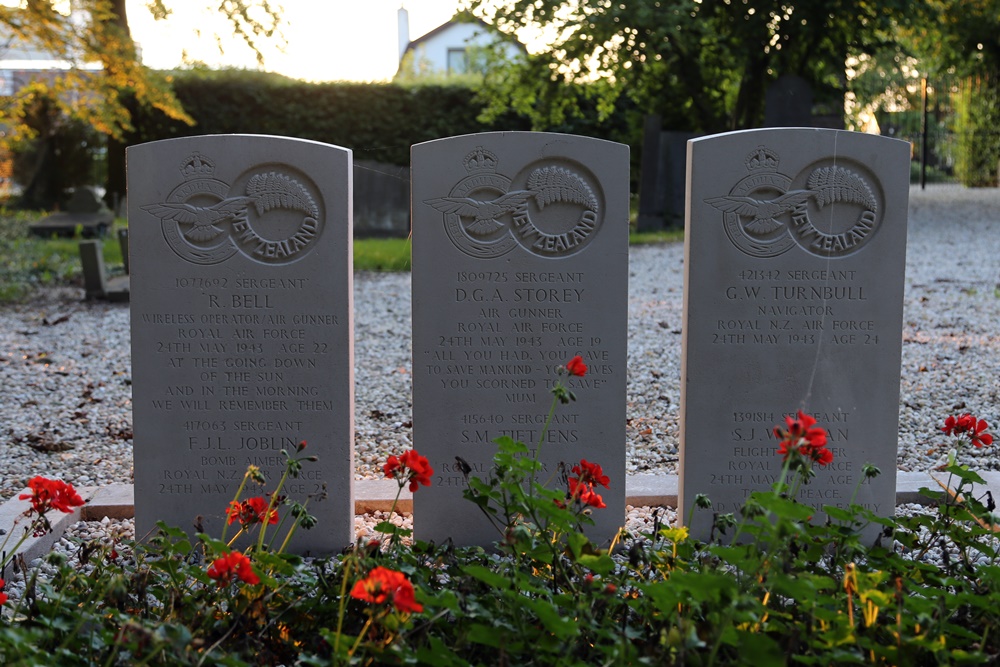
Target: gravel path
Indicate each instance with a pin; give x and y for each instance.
(65, 404)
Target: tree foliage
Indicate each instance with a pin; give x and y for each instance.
(103, 66)
(104, 83)
(960, 39)
(959, 36)
(703, 65)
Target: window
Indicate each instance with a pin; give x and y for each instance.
(458, 61)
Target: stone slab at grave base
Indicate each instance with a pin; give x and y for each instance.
(13, 511)
(116, 501)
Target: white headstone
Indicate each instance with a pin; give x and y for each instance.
(242, 332)
(520, 262)
(794, 260)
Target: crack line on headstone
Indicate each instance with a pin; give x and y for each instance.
(826, 282)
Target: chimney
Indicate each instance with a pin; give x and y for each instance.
(403, 20)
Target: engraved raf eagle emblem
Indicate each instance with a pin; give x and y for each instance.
(484, 212)
(202, 218)
(265, 191)
(764, 211)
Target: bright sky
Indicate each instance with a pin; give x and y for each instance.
(327, 40)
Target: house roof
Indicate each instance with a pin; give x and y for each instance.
(460, 17)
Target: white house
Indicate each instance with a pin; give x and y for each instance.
(447, 49)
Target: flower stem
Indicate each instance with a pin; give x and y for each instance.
(291, 531)
(394, 538)
(541, 439)
(361, 635)
(343, 601)
(270, 507)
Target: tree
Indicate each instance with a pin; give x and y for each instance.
(961, 38)
(703, 65)
(105, 81)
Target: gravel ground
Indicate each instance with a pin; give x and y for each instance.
(65, 405)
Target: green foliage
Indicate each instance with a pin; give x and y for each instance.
(90, 97)
(381, 254)
(29, 262)
(62, 155)
(961, 40)
(778, 590)
(378, 121)
(703, 66)
(978, 127)
(100, 99)
(955, 36)
(651, 238)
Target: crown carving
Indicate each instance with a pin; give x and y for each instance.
(197, 165)
(480, 160)
(762, 158)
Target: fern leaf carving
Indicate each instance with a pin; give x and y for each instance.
(273, 190)
(836, 184)
(557, 184)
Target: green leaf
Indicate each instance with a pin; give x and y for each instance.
(438, 653)
(487, 576)
(839, 514)
(562, 627)
(575, 542)
(601, 564)
(486, 635)
(385, 527)
(965, 474)
(785, 508)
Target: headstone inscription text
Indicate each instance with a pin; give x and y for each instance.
(794, 263)
(520, 262)
(242, 333)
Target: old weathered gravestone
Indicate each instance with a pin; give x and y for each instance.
(520, 262)
(794, 259)
(242, 340)
(85, 215)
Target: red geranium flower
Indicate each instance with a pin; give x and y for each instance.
(234, 564)
(3, 596)
(385, 585)
(251, 511)
(591, 473)
(968, 425)
(584, 492)
(576, 367)
(803, 438)
(49, 494)
(409, 467)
